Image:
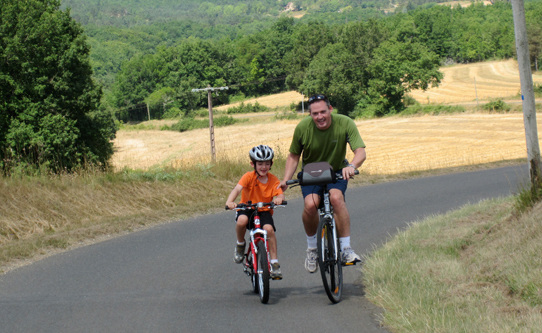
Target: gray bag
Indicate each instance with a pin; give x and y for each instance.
(318, 173)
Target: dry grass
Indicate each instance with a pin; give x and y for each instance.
(495, 79)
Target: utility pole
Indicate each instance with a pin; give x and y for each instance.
(527, 93)
(209, 90)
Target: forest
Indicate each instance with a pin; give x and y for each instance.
(367, 61)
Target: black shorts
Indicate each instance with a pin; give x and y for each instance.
(265, 218)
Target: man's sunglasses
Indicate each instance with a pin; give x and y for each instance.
(315, 98)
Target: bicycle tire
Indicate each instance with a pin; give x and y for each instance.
(331, 269)
(263, 273)
(253, 277)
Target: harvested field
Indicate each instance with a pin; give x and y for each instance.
(487, 80)
(271, 101)
(394, 144)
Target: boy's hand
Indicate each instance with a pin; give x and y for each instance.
(278, 201)
(231, 205)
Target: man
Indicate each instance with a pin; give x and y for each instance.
(323, 137)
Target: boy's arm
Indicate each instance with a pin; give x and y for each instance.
(279, 199)
(230, 202)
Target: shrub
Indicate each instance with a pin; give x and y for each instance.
(497, 105)
(248, 108)
(418, 109)
(188, 124)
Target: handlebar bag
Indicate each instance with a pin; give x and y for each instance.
(318, 173)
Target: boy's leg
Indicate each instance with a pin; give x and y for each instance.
(241, 227)
(271, 241)
(240, 230)
(268, 225)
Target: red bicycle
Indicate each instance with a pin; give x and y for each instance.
(256, 263)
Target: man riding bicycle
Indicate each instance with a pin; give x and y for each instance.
(323, 137)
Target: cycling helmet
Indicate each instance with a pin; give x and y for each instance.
(261, 153)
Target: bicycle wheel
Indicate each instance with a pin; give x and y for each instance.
(252, 273)
(263, 273)
(330, 268)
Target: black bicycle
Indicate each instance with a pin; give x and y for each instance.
(329, 250)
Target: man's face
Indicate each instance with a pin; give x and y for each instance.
(321, 114)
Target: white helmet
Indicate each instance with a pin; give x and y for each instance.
(261, 153)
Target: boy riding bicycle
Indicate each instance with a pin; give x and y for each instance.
(257, 186)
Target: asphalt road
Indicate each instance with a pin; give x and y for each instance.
(180, 277)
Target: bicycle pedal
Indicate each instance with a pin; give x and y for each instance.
(276, 278)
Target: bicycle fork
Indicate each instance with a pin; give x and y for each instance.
(256, 235)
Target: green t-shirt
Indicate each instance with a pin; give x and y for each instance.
(328, 145)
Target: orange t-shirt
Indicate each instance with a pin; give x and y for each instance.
(256, 191)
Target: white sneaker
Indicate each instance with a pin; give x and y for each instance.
(311, 262)
(349, 256)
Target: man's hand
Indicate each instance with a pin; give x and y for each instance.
(283, 186)
(348, 172)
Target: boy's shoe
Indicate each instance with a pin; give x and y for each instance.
(311, 262)
(349, 256)
(275, 273)
(239, 253)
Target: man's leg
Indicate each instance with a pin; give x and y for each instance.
(342, 220)
(310, 223)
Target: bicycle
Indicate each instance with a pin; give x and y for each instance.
(256, 263)
(328, 247)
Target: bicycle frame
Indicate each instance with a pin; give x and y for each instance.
(326, 212)
(257, 234)
(329, 252)
(258, 251)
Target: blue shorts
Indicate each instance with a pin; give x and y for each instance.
(341, 184)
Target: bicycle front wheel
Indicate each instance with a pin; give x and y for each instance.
(252, 273)
(329, 261)
(263, 273)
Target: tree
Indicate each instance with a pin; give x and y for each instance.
(49, 103)
(398, 68)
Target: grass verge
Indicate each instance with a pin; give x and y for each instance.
(476, 269)
(40, 215)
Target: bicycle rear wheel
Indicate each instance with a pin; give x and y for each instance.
(330, 268)
(263, 273)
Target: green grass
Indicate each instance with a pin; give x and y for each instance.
(476, 269)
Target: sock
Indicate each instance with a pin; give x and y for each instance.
(274, 261)
(345, 242)
(311, 242)
(242, 243)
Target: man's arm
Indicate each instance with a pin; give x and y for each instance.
(291, 165)
(357, 161)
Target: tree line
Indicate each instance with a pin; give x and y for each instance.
(366, 67)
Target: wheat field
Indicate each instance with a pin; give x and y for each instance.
(394, 144)
(466, 83)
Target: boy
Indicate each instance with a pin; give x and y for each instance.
(258, 186)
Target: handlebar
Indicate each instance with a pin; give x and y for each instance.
(338, 175)
(258, 205)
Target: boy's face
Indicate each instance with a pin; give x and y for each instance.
(262, 167)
